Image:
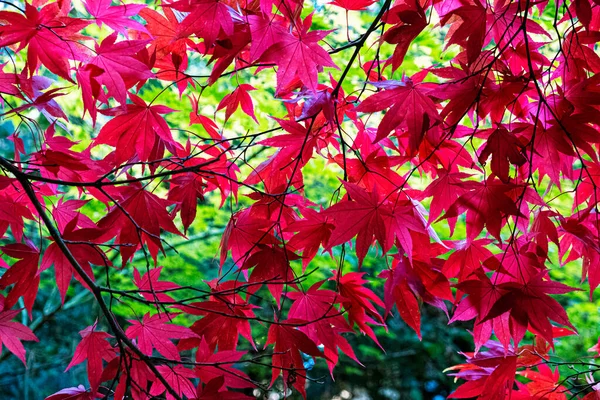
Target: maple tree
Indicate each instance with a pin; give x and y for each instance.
(471, 178)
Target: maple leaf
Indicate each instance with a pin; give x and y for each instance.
(324, 324)
(136, 374)
(90, 88)
(141, 223)
(153, 332)
(529, 304)
(398, 289)
(12, 211)
(239, 97)
(415, 112)
(121, 69)
(358, 301)
(51, 38)
(72, 393)
(231, 377)
(63, 269)
(116, 17)
(265, 32)
(23, 274)
(65, 212)
(8, 84)
(178, 377)
(313, 231)
(482, 206)
(287, 360)
(299, 55)
(43, 101)
(222, 323)
(12, 333)
(243, 232)
(504, 147)
(151, 288)
(353, 5)
(407, 284)
(135, 130)
(167, 37)
(368, 220)
(494, 379)
(271, 265)
(211, 391)
(408, 19)
(545, 384)
(467, 258)
(94, 348)
(445, 190)
(372, 218)
(206, 19)
(469, 29)
(299, 141)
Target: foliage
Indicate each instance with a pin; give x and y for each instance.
(349, 174)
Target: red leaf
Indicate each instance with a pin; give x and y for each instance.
(117, 17)
(135, 130)
(504, 147)
(287, 360)
(239, 97)
(94, 348)
(299, 55)
(121, 69)
(12, 333)
(154, 332)
(409, 108)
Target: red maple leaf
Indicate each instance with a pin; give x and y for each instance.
(530, 305)
(368, 221)
(51, 38)
(206, 19)
(324, 324)
(469, 29)
(359, 302)
(408, 19)
(232, 378)
(271, 265)
(504, 147)
(482, 205)
(178, 377)
(154, 332)
(23, 274)
(121, 68)
(299, 55)
(242, 234)
(116, 17)
(135, 130)
(166, 31)
(239, 97)
(63, 269)
(222, 323)
(94, 348)
(12, 333)
(313, 231)
(288, 343)
(151, 288)
(445, 190)
(138, 219)
(353, 5)
(409, 108)
(72, 393)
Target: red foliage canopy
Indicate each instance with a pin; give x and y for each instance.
(487, 139)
